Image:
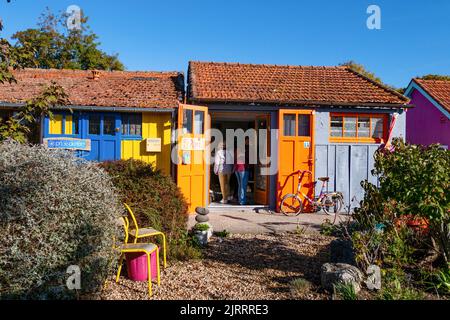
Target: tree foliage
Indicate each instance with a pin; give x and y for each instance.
(24, 124)
(435, 77)
(55, 46)
(359, 68)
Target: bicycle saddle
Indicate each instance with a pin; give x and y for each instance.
(324, 179)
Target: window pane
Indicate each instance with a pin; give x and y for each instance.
(199, 122)
(350, 127)
(304, 125)
(76, 124)
(109, 125)
(125, 125)
(289, 125)
(68, 127)
(377, 128)
(136, 124)
(187, 121)
(56, 124)
(336, 126)
(94, 124)
(363, 127)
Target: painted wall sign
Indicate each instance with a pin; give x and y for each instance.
(153, 144)
(68, 143)
(193, 144)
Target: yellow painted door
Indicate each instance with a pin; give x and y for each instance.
(263, 153)
(295, 152)
(191, 169)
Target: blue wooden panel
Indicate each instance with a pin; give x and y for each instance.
(371, 161)
(343, 171)
(358, 172)
(332, 167)
(321, 160)
(346, 165)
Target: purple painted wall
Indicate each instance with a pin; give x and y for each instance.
(425, 124)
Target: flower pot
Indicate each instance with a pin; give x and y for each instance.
(202, 237)
(137, 266)
(413, 222)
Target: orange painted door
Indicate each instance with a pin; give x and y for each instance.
(263, 153)
(295, 152)
(191, 168)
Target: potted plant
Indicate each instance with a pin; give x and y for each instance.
(202, 231)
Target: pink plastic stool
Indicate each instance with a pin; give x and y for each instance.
(137, 266)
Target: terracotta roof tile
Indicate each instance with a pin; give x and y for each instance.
(112, 89)
(438, 89)
(296, 85)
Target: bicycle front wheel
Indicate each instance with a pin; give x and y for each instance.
(291, 205)
(332, 205)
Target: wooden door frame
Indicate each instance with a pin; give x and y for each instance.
(267, 117)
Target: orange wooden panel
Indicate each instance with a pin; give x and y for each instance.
(295, 153)
(191, 175)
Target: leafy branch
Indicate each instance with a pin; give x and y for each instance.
(23, 125)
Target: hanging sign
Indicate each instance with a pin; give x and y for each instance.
(68, 143)
(153, 145)
(193, 144)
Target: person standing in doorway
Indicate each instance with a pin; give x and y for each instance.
(223, 167)
(241, 169)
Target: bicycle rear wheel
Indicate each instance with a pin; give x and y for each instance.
(291, 205)
(332, 205)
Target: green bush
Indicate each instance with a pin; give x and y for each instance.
(55, 211)
(201, 227)
(345, 291)
(155, 200)
(300, 285)
(398, 286)
(414, 183)
(416, 180)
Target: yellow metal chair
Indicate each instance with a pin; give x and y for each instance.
(138, 233)
(147, 248)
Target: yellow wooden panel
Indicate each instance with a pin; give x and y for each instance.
(154, 125)
(68, 125)
(56, 124)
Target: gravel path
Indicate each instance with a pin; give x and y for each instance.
(239, 267)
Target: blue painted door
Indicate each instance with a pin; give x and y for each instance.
(103, 129)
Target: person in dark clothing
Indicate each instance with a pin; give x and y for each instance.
(241, 170)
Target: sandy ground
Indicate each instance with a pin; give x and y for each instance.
(250, 222)
(239, 267)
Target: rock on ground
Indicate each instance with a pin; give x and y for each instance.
(335, 273)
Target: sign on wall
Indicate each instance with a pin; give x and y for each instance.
(68, 143)
(192, 144)
(153, 145)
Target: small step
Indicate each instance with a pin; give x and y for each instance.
(238, 208)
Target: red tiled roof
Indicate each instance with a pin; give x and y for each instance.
(296, 85)
(438, 89)
(112, 89)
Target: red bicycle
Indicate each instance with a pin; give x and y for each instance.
(330, 202)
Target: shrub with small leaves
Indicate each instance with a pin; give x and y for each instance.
(155, 199)
(55, 211)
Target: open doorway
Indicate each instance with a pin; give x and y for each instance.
(258, 184)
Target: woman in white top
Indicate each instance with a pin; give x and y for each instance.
(223, 167)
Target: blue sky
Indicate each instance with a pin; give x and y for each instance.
(164, 35)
